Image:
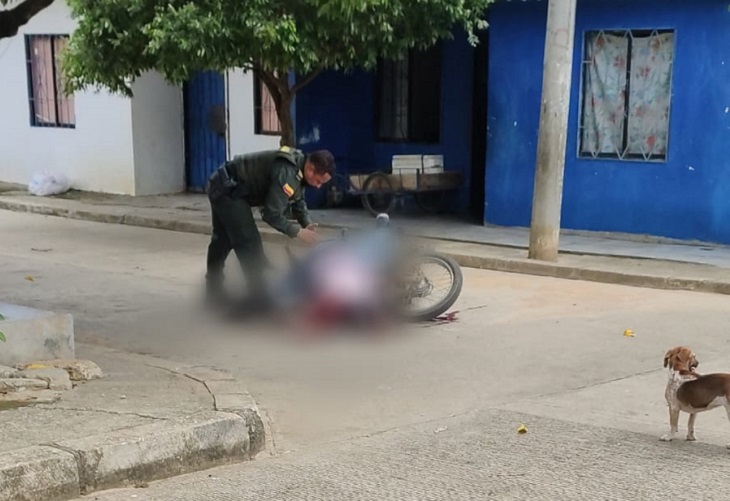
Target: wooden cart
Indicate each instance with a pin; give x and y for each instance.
(380, 191)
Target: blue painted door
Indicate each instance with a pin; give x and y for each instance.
(205, 127)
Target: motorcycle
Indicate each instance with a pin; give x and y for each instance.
(372, 275)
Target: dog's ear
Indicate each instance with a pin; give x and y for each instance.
(666, 357)
(669, 354)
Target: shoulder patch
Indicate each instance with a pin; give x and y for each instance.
(288, 190)
(285, 149)
(300, 176)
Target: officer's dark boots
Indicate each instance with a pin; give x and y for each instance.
(215, 293)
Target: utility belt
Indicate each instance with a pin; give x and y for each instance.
(222, 182)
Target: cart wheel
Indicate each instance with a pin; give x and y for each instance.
(379, 195)
(429, 202)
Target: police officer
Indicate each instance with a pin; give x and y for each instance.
(275, 180)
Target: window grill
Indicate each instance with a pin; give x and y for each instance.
(409, 97)
(266, 120)
(49, 106)
(626, 94)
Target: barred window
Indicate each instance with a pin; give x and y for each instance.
(266, 121)
(49, 107)
(409, 97)
(627, 80)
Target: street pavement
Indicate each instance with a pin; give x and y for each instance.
(474, 457)
(356, 418)
(638, 260)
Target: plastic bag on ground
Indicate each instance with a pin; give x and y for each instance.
(48, 183)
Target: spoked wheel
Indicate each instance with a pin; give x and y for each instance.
(431, 286)
(379, 195)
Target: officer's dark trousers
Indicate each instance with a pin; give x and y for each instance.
(234, 229)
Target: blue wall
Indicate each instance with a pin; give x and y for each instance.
(342, 108)
(686, 197)
(334, 113)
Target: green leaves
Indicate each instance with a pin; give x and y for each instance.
(117, 40)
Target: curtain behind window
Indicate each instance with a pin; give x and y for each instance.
(604, 94)
(650, 92)
(44, 105)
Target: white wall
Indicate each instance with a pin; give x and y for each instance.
(97, 155)
(157, 124)
(241, 136)
(119, 145)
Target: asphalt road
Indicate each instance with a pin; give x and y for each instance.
(357, 419)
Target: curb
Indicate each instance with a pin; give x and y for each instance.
(504, 264)
(106, 217)
(234, 431)
(229, 396)
(37, 473)
(539, 268)
(267, 235)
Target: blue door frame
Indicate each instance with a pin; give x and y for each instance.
(205, 127)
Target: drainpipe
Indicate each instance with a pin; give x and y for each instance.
(552, 135)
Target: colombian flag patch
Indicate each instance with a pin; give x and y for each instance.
(288, 190)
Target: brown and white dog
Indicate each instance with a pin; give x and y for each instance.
(690, 392)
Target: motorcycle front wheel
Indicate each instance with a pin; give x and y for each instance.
(425, 295)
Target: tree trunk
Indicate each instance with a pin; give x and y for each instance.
(12, 19)
(283, 111)
(552, 135)
(283, 97)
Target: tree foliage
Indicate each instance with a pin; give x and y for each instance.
(16, 13)
(118, 40)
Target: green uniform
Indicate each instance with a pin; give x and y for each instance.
(272, 179)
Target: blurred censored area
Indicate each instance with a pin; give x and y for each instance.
(369, 281)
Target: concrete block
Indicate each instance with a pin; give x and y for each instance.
(6, 372)
(56, 379)
(78, 370)
(35, 335)
(245, 406)
(159, 450)
(38, 474)
(20, 384)
(24, 398)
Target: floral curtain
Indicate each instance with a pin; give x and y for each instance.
(648, 61)
(649, 95)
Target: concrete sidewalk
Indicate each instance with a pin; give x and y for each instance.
(146, 419)
(611, 258)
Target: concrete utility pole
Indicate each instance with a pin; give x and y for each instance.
(557, 71)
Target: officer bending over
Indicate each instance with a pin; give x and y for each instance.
(275, 180)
